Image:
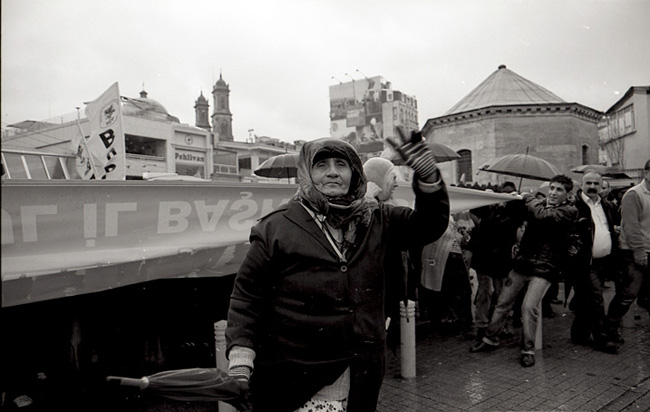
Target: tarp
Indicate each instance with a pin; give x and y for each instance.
(65, 238)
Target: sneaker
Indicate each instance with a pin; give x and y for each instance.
(482, 346)
(527, 360)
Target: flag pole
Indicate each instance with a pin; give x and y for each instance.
(83, 142)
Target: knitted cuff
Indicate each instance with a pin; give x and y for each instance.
(241, 356)
(240, 373)
(419, 158)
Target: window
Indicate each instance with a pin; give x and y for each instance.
(245, 163)
(621, 122)
(586, 158)
(464, 166)
(225, 162)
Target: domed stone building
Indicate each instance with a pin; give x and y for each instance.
(508, 114)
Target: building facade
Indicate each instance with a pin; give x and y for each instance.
(364, 112)
(624, 132)
(508, 114)
(155, 141)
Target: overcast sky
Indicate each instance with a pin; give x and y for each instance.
(279, 57)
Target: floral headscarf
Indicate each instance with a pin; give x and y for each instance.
(339, 211)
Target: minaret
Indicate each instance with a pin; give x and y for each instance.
(221, 117)
(202, 111)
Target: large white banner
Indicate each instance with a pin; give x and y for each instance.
(69, 237)
(105, 144)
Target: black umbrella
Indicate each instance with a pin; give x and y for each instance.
(441, 153)
(194, 384)
(605, 171)
(522, 166)
(280, 166)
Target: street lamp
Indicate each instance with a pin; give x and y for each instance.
(354, 92)
(334, 78)
(359, 71)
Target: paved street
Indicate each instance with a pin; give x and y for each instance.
(565, 377)
(449, 378)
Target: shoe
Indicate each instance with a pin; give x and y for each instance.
(527, 360)
(482, 346)
(581, 340)
(480, 332)
(607, 347)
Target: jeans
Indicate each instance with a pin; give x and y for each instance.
(588, 303)
(530, 309)
(627, 290)
(484, 301)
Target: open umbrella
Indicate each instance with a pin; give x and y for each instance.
(194, 384)
(605, 171)
(522, 166)
(280, 166)
(441, 153)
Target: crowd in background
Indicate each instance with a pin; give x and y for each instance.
(579, 241)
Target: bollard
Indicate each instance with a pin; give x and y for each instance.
(222, 362)
(407, 339)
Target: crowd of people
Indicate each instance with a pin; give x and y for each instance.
(316, 299)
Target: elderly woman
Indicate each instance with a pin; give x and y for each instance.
(306, 318)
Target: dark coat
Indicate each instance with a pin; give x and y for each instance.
(543, 250)
(492, 239)
(309, 316)
(585, 230)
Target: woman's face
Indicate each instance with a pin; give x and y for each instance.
(332, 176)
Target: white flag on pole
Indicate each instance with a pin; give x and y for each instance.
(106, 141)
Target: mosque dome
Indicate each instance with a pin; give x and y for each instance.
(504, 87)
(144, 106)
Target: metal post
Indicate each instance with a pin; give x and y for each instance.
(407, 339)
(222, 361)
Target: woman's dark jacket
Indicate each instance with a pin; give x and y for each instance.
(543, 250)
(309, 316)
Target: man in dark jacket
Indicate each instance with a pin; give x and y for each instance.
(490, 246)
(538, 263)
(594, 262)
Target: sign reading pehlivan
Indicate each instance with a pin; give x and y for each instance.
(65, 238)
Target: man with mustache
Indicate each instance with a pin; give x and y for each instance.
(594, 263)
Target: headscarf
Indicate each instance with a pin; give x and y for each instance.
(341, 211)
(380, 172)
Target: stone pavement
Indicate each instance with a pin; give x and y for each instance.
(565, 377)
(449, 378)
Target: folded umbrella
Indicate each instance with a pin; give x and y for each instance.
(194, 384)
